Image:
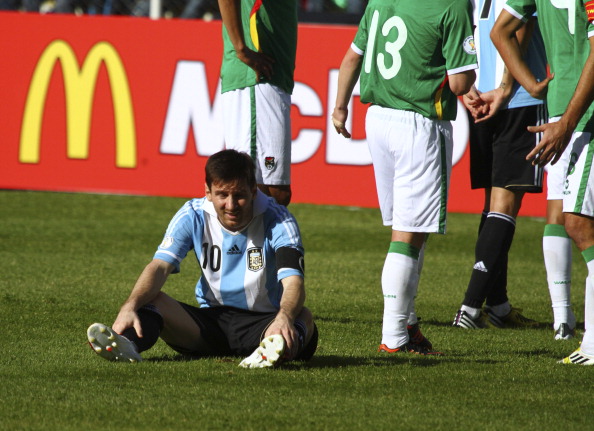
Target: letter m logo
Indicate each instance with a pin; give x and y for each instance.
(79, 84)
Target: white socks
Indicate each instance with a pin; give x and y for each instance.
(399, 284)
(556, 247)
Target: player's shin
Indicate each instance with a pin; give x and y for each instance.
(400, 266)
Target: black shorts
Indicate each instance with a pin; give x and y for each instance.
(498, 150)
(231, 331)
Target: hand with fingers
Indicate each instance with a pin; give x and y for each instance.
(261, 63)
(556, 137)
(339, 117)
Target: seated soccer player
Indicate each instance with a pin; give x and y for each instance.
(250, 297)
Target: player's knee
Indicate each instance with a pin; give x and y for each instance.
(281, 194)
(306, 317)
(580, 229)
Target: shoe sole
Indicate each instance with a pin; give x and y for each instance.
(385, 349)
(267, 355)
(111, 346)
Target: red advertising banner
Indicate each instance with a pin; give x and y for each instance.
(132, 105)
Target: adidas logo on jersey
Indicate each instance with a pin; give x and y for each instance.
(480, 266)
(234, 250)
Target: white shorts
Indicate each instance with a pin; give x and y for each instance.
(412, 162)
(578, 191)
(257, 121)
(557, 173)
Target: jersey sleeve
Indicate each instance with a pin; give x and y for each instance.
(458, 39)
(180, 235)
(359, 44)
(521, 9)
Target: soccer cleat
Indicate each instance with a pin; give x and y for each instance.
(110, 345)
(463, 320)
(268, 354)
(513, 319)
(416, 336)
(564, 332)
(408, 348)
(579, 358)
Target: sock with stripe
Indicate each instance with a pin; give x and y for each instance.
(556, 250)
(400, 266)
(491, 251)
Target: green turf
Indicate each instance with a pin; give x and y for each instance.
(69, 260)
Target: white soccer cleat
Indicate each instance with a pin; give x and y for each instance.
(579, 358)
(110, 345)
(268, 354)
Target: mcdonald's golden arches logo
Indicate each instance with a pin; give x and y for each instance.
(79, 85)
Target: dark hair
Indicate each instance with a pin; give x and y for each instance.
(230, 166)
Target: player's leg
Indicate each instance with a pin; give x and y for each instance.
(272, 155)
(180, 329)
(248, 332)
(491, 252)
(415, 335)
(258, 122)
(578, 206)
(410, 157)
(164, 317)
(557, 250)
(481, 167)
(399, 285)
(581, 230)
(505, 205)
(281, 193)
(557, 254)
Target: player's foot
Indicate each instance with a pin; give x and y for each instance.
(463, 320)
(564, 332)
(416, 337)
(110, 345)
(513, 319)
(579, 358)
(408, 348)
(268, 354)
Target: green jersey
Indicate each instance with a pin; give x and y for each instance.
(269, 26)
(565, 28)
(409, 48)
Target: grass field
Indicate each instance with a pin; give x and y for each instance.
(69, 260)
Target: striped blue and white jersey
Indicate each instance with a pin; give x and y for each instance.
(238, 268)
(490, 63)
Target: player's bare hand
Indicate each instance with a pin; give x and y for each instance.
(339, 116)
(284, 326)
(474, 103)
(556, 137)
(127, 319)
(539, 90)
(494, 101)
(261, 63)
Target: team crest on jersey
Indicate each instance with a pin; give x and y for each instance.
(255, 259)
(469, 46)
(269, 162)
(167, 242)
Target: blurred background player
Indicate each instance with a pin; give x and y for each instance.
(412, 91)
(499, 112)
(260, 44)
(568, 35)
(251, 292)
